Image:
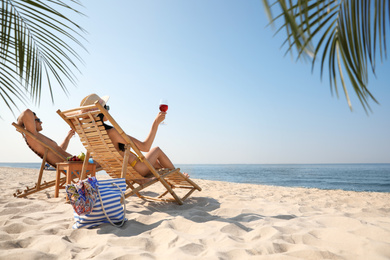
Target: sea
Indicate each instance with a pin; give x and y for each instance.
(350, 177)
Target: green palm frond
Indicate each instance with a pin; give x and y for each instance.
(35, 47)
(346, 32)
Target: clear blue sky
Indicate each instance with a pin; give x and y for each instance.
(234, 97)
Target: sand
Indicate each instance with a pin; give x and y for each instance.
(223, 221)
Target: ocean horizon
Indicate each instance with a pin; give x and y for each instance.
(371, 177)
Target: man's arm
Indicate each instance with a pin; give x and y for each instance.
(65, 143)
(27, 120)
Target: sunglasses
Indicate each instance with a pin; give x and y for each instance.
(107, 107)
(38, 120)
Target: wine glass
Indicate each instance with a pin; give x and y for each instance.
(163, 107)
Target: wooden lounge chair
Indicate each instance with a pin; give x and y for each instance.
(85, 121)
(39, 185)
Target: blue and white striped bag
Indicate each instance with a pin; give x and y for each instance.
(111, 192)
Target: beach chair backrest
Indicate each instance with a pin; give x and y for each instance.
(88, 125)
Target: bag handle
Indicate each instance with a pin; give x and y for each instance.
(124, 207)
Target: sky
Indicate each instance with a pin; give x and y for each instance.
(234, 96)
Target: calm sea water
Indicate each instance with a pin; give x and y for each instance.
(355, 177)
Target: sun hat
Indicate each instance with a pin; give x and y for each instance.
(92, 98)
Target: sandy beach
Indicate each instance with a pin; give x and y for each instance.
(223, 221)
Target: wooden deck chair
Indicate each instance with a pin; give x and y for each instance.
(39, 185)
(86, 122)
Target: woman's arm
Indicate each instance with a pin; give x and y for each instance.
(147, 144)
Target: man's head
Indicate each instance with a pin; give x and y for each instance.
(38, 123)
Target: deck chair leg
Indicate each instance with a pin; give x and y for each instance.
(188, 194)
(168, 187)
(133, 189)
(162, 195)
(41, 169)
(125, 161)
(83, 174)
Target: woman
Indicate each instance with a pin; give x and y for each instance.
(154, 155)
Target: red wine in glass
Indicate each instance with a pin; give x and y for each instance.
(163, 107)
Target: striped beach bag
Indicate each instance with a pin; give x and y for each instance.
(110, 206)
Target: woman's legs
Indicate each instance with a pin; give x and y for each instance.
(157, 158)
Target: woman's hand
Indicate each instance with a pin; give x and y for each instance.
(160, 117)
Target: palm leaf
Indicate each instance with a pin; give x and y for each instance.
(36, 39)
(346, 32)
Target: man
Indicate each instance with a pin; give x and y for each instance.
(33, 124)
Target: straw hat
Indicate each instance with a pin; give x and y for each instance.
(91, 99)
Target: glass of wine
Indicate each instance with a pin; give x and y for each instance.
(163, 107)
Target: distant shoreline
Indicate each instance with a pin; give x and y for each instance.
(4, 164)
(348, 177)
